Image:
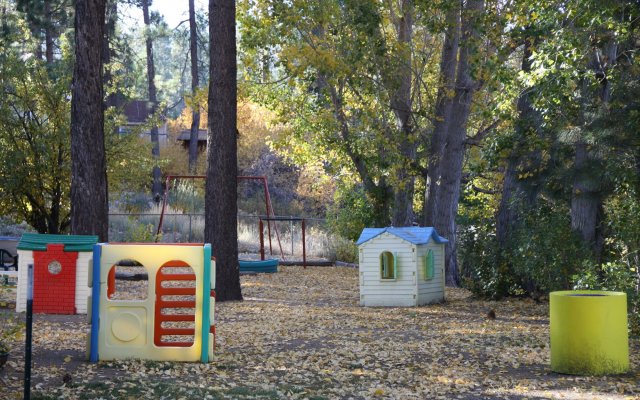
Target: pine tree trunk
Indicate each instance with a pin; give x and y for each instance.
(48, 32)
(221, 208)
(89, 200)
(451, 164)
(109, 33)
(195, 115)
(156, 188)
(444, 103)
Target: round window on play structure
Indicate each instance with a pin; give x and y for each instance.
(128, 280)
(54, 267)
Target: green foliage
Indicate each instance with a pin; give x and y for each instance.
(133, 202)
(484, 271)
(141, 232)
(35, 167)
(187, 195)
(350, 212)
(342, 64)
(544, 255)
(34, 143)
(345, 250)
(129, 159)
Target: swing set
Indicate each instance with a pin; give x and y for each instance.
(270, 217)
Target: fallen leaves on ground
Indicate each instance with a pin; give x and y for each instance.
(301, 334)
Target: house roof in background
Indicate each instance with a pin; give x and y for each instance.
(414, 234)
(185, 135)
(137, 111)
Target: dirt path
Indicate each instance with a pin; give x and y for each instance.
(301, 334)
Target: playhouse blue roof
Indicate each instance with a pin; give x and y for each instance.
(414, 234)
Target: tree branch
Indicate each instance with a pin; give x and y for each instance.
(476, 139)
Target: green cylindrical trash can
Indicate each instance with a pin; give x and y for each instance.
(589, 332)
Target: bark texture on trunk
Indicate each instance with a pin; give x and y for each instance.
(156, 188)
(448, 194)
(48, 32)
(517, 193)
(221, 208)
(401, 104)
(89, 200)
(586, 199)
(444, 103)
(195, 115)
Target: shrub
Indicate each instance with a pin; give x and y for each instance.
(543, 255)
(350, 213)
(345, 250)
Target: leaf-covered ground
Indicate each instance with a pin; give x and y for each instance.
(301, 334)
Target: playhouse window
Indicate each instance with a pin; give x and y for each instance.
(429, 265)
(127, 280)
(388, 265)
(54, 267)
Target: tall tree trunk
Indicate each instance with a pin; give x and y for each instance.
(515, 192)
(89, 200)
(444, 103)
(195, 114)
(451, 164)
(221, 207)
(156, 188)
(48, 32)
(586, 199)
(401, 104)
(109, 33)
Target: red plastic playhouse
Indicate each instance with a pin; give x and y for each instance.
(60, 272)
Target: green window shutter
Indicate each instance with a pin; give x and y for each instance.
(429, 265)
(395, 265)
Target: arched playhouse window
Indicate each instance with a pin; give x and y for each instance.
(388, 265)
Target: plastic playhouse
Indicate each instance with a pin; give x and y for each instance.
(401, 267)
(174, 321)
(60, 272)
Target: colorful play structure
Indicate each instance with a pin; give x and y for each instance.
(172, 320)
(175, 322)
(60, 274)
(401, 267)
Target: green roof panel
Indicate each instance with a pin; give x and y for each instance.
(39, 242)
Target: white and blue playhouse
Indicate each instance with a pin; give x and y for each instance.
(401, 267)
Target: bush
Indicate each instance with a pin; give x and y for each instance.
(133, 202)
(187, 195)
(344, 249)
(543, 255)
(350, 213)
